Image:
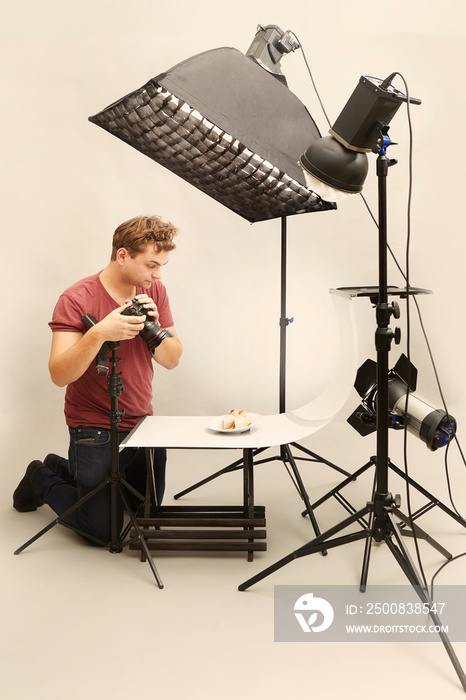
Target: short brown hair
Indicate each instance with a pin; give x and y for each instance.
(136, 233)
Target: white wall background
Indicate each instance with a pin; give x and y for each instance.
(67, 184)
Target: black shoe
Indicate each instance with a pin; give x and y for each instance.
(24, 498)
(51, 462)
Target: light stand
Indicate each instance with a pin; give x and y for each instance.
(435, 427)
(115, 480)
(383, 506)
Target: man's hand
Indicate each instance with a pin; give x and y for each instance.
(116, 326)
(169, 351)
(72, 353)
(150, 305)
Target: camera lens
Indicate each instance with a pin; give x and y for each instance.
(152, 333)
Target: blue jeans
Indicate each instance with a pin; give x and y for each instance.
(87, 466)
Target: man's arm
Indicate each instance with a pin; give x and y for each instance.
(72, 353)
(169, 351)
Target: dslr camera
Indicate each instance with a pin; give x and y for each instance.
(152, 332)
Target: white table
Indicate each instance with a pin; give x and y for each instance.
(200, 528)
(192, 432)
(239, 523)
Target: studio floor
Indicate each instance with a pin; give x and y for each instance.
(79, 622)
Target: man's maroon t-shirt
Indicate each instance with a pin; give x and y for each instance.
(86, 400)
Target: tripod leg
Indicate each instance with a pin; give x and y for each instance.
(234, 466)
(318, 458)
(61, 518)
(302, 490)
(140, 538)
(115, 546)
(402, 556)
(417, 531)
(341, 486)
(368, 547)
(445, 640)
(367, 556)
(39, 534)
(319, 544)
(433, 501)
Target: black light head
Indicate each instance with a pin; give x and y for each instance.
(336, 166)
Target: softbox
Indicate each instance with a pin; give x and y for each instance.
(228, 127)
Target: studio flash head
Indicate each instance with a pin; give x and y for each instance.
(434, 426)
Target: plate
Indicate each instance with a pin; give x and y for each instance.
(216, 424)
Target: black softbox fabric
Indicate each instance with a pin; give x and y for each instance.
(228, 127)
